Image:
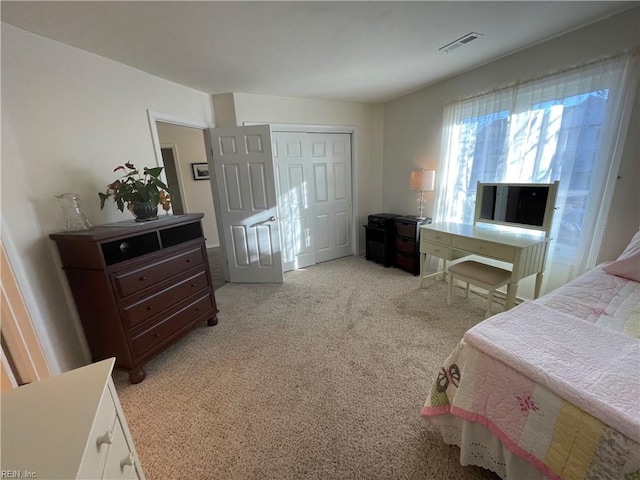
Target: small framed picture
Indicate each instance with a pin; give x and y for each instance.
(200, 171)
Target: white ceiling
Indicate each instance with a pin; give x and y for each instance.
(365, 51)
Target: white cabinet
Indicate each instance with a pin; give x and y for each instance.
(66, 427)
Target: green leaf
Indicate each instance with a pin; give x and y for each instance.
(160, 184)
(103, 198)
(154, 172)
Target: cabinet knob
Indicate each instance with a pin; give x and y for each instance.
(156, 335)
(128, 460)
(150, 307)
(197, 309)
(188, 260)
(106, 438)
(143, 278)
(193, 285)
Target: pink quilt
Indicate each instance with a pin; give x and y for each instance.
(570, 419)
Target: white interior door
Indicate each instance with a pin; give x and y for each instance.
(243, 184)
(331, 194)
(291, 155)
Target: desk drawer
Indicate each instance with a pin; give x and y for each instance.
(487, 249)
(435, 249)
(433, 236)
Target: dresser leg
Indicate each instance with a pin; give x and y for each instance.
(136, 376)
(212, 321)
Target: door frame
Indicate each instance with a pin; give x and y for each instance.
(350, 129)
(154, 117)
(23, 341)
(172, 147)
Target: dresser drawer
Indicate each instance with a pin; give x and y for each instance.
(170, 325)
(120, 459)
(140, 311)
(405, 245)
(97, 448)
(487, 249)
(406, 229)
(131, 282)
(406, 262)
(434, 236)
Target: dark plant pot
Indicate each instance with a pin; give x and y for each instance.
(145, 211)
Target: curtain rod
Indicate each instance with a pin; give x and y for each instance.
(633, 51)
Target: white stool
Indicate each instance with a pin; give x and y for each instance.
(485, 276)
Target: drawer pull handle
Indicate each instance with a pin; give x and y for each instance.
(156, 335)
(193, 285)
(188, 260)
(143, 278)
(150, 307)
(106, 438)
(128, 460)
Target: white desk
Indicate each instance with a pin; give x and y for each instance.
(451, 241)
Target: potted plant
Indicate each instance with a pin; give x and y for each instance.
(140, 192)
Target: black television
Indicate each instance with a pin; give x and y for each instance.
(524, 205)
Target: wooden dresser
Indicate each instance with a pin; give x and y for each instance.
(138, 287)
(67, 427)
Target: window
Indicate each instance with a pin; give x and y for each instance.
(564, 127)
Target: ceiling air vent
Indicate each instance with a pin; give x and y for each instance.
(469, 37)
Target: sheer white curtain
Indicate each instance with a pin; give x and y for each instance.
(568, 126)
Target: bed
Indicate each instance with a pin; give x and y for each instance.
(551, 388)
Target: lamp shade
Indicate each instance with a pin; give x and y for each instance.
(423, 180)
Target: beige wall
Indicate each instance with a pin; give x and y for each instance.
(366, 120)
(413, 123)
(196, 194)
(68, 118)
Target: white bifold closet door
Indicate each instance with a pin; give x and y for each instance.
(313, 185)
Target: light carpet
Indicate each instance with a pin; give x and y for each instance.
(322, 377)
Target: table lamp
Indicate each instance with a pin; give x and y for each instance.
(424, 181)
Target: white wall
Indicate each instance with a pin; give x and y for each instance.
(413, 123)
(367, 120)
(68, 118)
(196, 194)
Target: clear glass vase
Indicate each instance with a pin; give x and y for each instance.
(74, 216)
